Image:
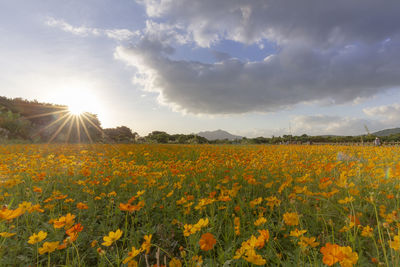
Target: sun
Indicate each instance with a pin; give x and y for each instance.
(76, 109)
(79, 100)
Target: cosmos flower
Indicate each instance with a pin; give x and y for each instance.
(36, 238)
(111, 238)
(207, 241)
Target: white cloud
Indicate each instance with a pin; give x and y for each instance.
(387, 113)
(336, 125)
(116, 34)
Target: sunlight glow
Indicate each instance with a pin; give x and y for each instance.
(79, 97)
(76, 110)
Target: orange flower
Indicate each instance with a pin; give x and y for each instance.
(126, 207)
(67, 221)
(37, 189)
(7, 214)
(332, 254)
(82, 206)
(73, 232)
(207, 241)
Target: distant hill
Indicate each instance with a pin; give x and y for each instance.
(387, 132)
(218, 134)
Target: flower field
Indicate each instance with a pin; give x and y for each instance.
(199, 205)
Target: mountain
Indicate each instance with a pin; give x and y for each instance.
(218, 134)
(387, 132)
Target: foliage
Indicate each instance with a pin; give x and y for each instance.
(121, 134)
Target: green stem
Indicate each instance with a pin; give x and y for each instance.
(77, 254)
(380, 235)
(117, 256)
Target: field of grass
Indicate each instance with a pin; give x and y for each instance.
(199, 205)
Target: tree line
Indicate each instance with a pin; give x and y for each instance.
(33, 122)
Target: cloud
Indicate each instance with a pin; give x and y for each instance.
(336, 125)
(318, 22)
(387, 113)
(297, 74)
(116, 34)
(379, 118)
(338, 52)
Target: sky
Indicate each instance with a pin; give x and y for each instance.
(253, 68)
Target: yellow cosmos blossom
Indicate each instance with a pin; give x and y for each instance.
(236, 222)
(346, 200)
(291, 218)
(35, 238)
(7, 214)
(307, 241)
(175, 263)
(48, 247)
(252, 257)
(188, 230)
(395, 244)
(111, 238)
(367, 231)
(260, 221)
(297, 232)
(132, 254)
(147, 243)
(6, 234)
(202, 223)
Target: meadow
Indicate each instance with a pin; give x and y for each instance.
(199, 205)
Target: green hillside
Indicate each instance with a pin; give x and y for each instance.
(387, 132)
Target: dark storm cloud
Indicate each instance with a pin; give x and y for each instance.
(337, 50)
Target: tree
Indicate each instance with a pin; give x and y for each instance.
(120, 134)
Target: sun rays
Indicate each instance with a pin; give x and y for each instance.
(71, 124)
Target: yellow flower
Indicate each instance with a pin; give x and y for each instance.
(236, 222)
(349, 257)
(307, 241)
(346, 200)
(147, 243)
(188, 230)
(291, 218)
(395, 244)
(132, 254)
(7, 214)
(202, 223)
(5, 234)
(111, 238)
(254, 258)
(367, 231)
(35, 238)
(260, 221)
(48, 247)
(297, 232)
(175, 263)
